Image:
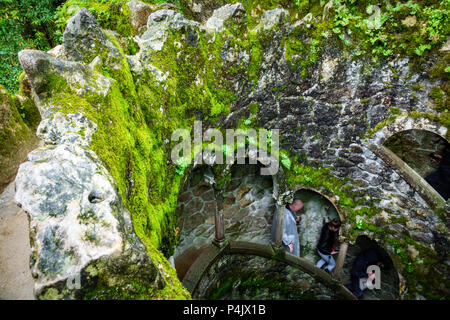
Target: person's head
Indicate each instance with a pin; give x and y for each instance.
(296, 205)
(375, 257)
(334, 225)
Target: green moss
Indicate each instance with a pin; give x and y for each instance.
(394, 111)
(369, 133)
(142, 113)
(438, 97)
(111, 14)
(304, 47)
(378, 36)
(252, 282)
(442, 118)
(52, 294)
(16, 137)
(253, 107)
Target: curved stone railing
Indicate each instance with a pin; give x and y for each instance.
(425, 190)
(216, 250)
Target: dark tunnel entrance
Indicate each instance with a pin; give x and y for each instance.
(389, 276)
(316, 210)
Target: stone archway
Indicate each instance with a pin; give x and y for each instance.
(414, 147)
(404, 123)
(414, 179)
(390, 282)
(317, 210)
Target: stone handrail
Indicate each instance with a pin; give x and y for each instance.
(213, 252)
(425, 190)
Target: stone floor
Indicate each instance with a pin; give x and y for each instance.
(15, 275)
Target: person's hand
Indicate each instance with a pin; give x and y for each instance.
(291, 247)
(436, 158)
(298, 220)
(334, 252)
(372, 276)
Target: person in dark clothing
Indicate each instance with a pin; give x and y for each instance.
(325, 246)
(359, 270)
(439, 179)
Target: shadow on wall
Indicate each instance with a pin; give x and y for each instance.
(389, 276)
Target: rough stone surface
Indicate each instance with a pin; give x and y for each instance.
(139, 14)
(76, 216)
(16, 138)
(246, 277)
(83, 38)
(201, 10)
(79, 228)
(390, 283)
(334, 114)
(327, 117)
(216, 22)
(39, 66)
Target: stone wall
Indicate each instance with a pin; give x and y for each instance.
(249, 277)
(246, 203)
(335, 117)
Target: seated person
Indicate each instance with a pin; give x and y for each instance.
(359, 275)
(439, 179)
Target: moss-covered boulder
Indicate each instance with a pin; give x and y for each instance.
(83, 241)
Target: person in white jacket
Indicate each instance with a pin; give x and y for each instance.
(290, 238)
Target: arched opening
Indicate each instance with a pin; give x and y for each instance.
(424, 152)
(389, 287)
(414, 148)
(317, 210)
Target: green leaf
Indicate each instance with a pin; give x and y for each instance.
(285, 161)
